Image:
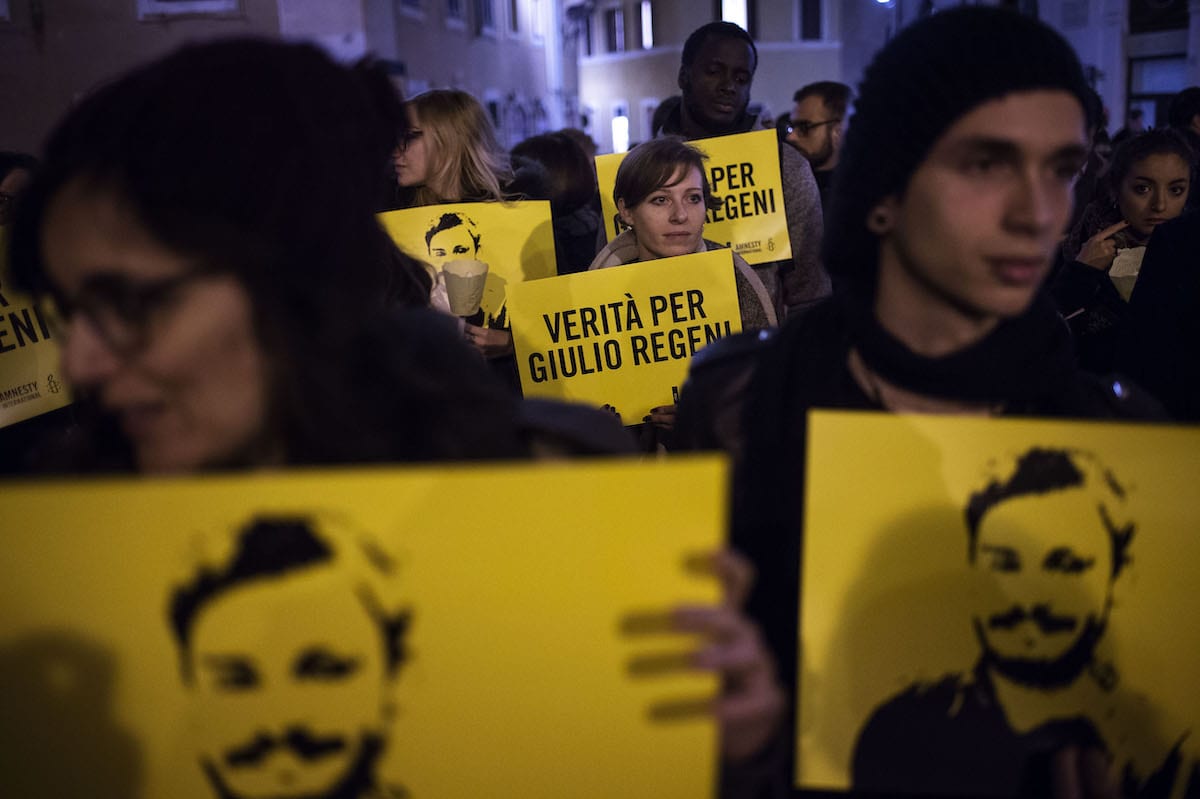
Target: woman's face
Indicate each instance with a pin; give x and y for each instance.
(411, 157)
(670, 221)
(1154, 192)
(170, 351)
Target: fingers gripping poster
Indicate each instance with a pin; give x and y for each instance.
(743, 173)
(624, 336)
(1008, 589)
(356, 634)
(31, 382)
(515, 240)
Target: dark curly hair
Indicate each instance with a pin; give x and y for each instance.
(1103, 211)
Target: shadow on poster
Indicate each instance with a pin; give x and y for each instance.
(1011, 589)
(355, 634)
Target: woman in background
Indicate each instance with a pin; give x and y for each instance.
(662, 194)
(214, 315)
(1147, 183)
(449, 154)
(573, 194)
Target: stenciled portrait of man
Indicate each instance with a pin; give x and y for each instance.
(1047, 538)
(455, 236)
(289, 645)
(450, 237)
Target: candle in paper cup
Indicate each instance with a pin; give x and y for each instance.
(1125, 269)
(464, 281)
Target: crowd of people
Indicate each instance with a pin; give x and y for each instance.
(206, 227)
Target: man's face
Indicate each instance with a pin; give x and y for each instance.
(290, 678)
(451, 244)
(819, 144)
(716, 87)
(1044, 568)
(975, 231)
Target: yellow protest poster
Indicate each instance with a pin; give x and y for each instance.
(31, 381)
(515, 240)
(622, 336)
(363, 633)
(743, 173)
(980, 594)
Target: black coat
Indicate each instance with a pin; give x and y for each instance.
(1159, 346)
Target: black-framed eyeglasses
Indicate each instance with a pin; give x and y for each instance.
(121, 310)
(408, 137)
(804, 127)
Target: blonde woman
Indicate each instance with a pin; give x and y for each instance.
(450, 155)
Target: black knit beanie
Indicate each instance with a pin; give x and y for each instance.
(919, 84)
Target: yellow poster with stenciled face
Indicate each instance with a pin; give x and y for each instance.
(980, 595)
(515, 240)
(743, 174)
(623, 336)
(496, 631)
(31, 381)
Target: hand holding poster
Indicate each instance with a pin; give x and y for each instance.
(1007, 589)
(515, 240)
(419, 633)
(622, 336)
(743, 173)
(31, 381)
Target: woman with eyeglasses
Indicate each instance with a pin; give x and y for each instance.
(214, 317)
(212, 314)
(449, 154)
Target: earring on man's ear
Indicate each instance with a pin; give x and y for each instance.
(879, 222)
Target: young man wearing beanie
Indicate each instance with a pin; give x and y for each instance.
(953, 190)
(715, 75)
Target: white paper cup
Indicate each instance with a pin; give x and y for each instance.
(1125, 269)
(464, 285)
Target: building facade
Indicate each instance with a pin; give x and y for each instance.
(629, 50)
(507, 53)
(537, 65)
(1137, 52)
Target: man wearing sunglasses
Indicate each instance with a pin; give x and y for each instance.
(815, 128)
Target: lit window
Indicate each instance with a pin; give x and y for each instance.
(735, 11)
(535, 14)
(620, 131)
(647, 24)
